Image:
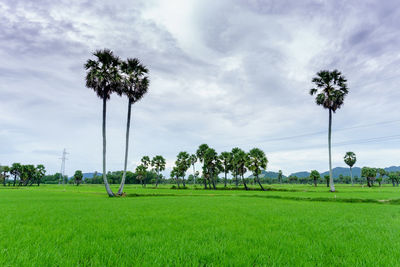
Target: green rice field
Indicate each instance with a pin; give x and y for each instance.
(288, 225)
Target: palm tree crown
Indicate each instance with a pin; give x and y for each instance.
(103, 74)
(350, 159)
(331, 88)
(136, 81)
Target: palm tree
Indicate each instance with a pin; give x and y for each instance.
(103, 76)
(193, 160)
(3, 171)
(280, 175)
(331, 89)
(200, 156)
(314, 176)
(135, 86)
(212, 166)
(226, 160)
(146, 162)
(183, 164)
(141, 172)
(350, 159)
(239, 161)
(256, 161)
(16, 170)
(158, 163)
(234, 163)
(78, 177)
(40, 172)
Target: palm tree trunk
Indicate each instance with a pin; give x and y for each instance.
(128, 123)
(15, 179)
(236, 179)
(351, 176)
(205, 182)
(244, 183)
(108, 189)
(258, 180)
(194, 175)
(330, 153)
(158, 176)
(225, 180)
(183, 181)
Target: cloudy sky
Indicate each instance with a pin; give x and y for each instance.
(225, 73)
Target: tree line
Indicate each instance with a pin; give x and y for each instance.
(24, 174)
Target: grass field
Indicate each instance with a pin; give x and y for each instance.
(300, 226)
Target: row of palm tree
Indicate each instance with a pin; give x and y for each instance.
(107, 74)
(25, 174)
(238, 162)
(157, 164)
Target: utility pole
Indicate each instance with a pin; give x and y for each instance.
(62, 171)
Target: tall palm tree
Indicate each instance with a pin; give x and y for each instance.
(331, 89)
(135, 86)
(103, 76)
(257, 161)
(158, 163)
(350, 159)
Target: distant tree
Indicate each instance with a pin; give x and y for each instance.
(382, 173)
(234, 163)
(280, 175)
(350, 159)
(141, 172)
(158, 164)
(200, 156)
(78, 177)
(257, 161)
(331, 89)
(240, 158)
(103, 76)
(4, 170)
(315, 176)
(326, 177)
(135, 84)
(15, 170)
(39, 173)
(183, 164)
(394, 178)
(226, 161)
(193, 160)
(369, 174)
(212, 167)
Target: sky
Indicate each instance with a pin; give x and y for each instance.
(225, 73)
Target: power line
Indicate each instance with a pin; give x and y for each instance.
(277, 139)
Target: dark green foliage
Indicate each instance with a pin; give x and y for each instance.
(78, 177)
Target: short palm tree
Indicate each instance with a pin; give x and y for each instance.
(234, 163)
(3, 172)
(135, 85)
(350, 159)
(158, 164)
(226, 161)
(331, 89)
(103, 76)
(193, 160)
(257, 161)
